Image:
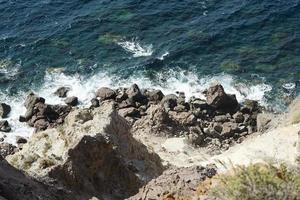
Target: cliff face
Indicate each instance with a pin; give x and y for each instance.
(92, 154)
(16, 185)
(144, 145)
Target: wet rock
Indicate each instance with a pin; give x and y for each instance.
(4, 110)
(71, 101)
(7, 149)
(62, 92)
(134, 93)
(239, 117)
(217, 98)
(21, 140)
(155, 95)
(105, 93)
(32, 99)
(4, 126)
(95, 103)
(169, 102)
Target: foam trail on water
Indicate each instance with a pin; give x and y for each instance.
(135, 48)
(84, 88)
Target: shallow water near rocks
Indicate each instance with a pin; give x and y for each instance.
(251, 48)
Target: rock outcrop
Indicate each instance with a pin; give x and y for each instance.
(15, 185)
(41, 115)
(178, 182)
(92, 154)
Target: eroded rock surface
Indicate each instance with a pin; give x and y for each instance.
(91, 154)
(180, 182)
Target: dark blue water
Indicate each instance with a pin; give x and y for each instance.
(254, 41)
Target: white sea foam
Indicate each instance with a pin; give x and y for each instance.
(163, 56)
(85, 88)
(135, 48)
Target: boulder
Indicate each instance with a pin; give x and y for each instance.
(105, 93)
(155, 96)
(129, 112)
(4, 110)
(62, 92)
(95, 103)
(127, 103)
(4, 126)
(217, 98)
(183, 118)
(91, 154)
(238, 117)
(121, 96)
(71, 101)
(32, 99)
(21, 140)
(169, 102)
(229, 129)
(250, 106)
(134, 93)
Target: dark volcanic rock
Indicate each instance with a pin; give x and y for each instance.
(4, 110)
(105, 93)
(71, 101)
(41, 115)
(4, 126)
(21, 140)
(62, 92)
(217, 98)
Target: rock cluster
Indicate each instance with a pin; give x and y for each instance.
(41, 115)
(217, 122)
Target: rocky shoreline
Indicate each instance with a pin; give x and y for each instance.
(95, 152)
